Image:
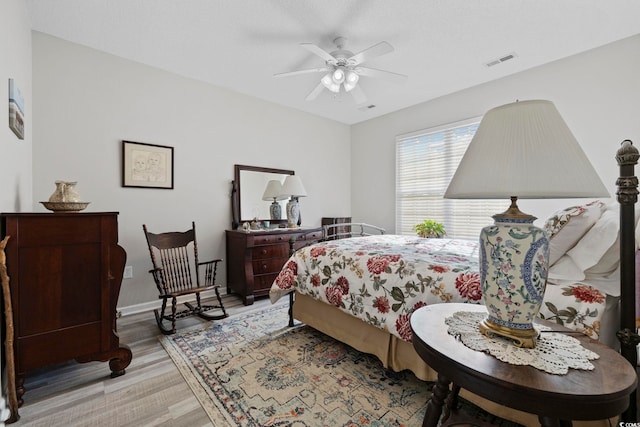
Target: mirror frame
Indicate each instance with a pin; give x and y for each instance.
(236, 188)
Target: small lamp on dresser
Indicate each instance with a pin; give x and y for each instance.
(520, 150)
(293, 188)
(274, 192)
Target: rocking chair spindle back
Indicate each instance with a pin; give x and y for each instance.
(171, 255)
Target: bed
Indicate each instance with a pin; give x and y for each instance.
(592, 252)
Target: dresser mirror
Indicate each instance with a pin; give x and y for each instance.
(246, 195)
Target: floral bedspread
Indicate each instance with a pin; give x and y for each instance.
(382, 279)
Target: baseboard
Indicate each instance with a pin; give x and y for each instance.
(152, 305)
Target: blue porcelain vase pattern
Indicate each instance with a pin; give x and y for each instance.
(275, 210)
(514, 256)
(293, 213)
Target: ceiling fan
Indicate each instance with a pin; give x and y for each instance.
(343, 69)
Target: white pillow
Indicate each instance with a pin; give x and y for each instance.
(609, 261)
(565, 271)
(597, 241)
(566, 227)
(611, 258)
(608, 284)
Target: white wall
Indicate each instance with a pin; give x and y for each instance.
(597, 93)
(15, 154)
(15, 63)
(86, 102)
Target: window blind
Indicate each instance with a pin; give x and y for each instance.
(425, 163)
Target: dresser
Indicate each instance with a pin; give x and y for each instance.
(254, 258)
(65, 273)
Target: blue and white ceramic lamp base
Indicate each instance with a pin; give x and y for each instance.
(293, 213)
(275, 210)
(514, 258)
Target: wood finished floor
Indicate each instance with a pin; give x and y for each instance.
(151, 393)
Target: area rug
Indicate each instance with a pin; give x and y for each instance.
(253, 370)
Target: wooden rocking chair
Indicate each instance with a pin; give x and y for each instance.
(171, 273)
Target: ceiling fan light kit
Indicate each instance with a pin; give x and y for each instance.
(343, 69)
(328, 82)
(338, 75)
(351, 80)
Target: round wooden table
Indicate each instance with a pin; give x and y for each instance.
(556, 399)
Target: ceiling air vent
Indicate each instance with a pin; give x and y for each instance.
(501, 59)
(366, 107)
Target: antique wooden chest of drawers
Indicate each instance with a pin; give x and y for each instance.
(65, 274)
(254, 258)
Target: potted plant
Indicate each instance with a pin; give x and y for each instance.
(430, 228)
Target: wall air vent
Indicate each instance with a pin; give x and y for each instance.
(501, 59)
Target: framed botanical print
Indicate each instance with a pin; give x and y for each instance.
(147, 165)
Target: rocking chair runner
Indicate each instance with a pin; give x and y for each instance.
(171, 272)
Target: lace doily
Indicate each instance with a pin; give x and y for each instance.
(554, 353)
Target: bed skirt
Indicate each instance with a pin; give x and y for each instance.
(396, 354)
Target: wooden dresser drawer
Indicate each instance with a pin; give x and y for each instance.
(307, 239)
(269, 265)
(316, 235)
(264, 281)
(273, 251)
(271, 239)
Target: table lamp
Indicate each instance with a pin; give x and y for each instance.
(274, 192)
(293, 188)
(520, 150)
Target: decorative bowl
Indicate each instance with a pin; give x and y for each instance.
(65, 206)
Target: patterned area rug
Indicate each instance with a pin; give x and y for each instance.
(252, 370)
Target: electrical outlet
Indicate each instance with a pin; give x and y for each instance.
(128, 272)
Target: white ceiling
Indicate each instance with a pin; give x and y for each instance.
(442, 45)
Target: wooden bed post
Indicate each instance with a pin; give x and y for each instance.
(292, 250)
(627, 157)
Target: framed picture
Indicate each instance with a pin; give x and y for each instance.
(147, 165)
(16, 110)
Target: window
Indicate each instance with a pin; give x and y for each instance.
(425, 163)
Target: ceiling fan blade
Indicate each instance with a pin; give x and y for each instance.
(387, 75)
(295, 73)
(371, 52)
(315, 92)
(320, 52)
(358, 95)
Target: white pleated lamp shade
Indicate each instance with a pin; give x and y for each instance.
(524, 149)
(273, 191)
(293, 187)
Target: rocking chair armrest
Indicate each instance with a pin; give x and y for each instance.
(208, 276)
(213, 261)
(155, 272)
(157, 275)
